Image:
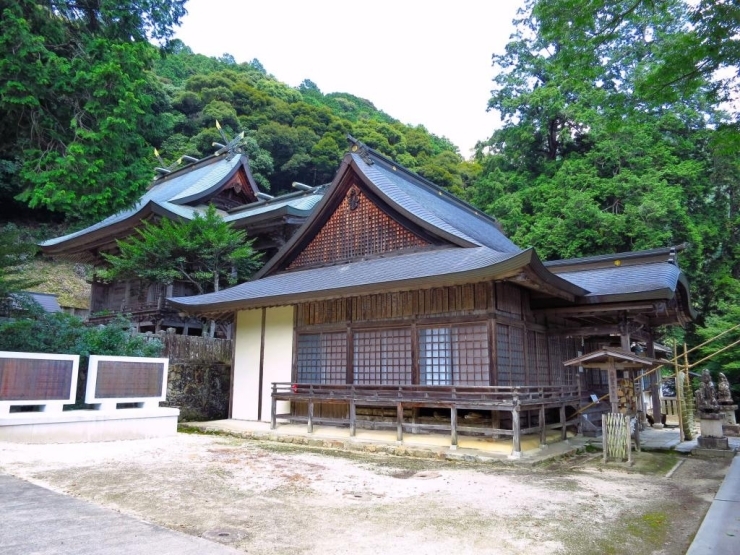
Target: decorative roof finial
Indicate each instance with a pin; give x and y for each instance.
(163, 168)
(361, 149)
(231, 147)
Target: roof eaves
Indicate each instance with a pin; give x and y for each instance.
(496, 270)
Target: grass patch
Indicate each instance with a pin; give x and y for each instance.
(631, 534)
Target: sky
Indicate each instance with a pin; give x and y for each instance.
(421, 62)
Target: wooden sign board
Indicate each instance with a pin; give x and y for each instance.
(112, 379)
(48, 380)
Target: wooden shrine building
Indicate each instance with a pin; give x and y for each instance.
(396, 304)
(179, 193)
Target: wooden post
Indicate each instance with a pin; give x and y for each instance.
(604, 432)
(273, 416)
(496, 422)
(679, 392)
(517, 433)
(399, 422)
(563, 430)
(352, 418)
(453, 427)
(629, 439)
(543, 428)
(613, 394)
(310, 416)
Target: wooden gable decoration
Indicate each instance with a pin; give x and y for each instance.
(358, 227)
(235, 192)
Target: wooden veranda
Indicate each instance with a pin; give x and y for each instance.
(497, 399)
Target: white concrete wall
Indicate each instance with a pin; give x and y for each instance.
(246, 364)
(277, 364)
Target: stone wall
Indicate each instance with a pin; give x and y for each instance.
(200, 389)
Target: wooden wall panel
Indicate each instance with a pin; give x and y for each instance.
(357, 228)
(452, 300)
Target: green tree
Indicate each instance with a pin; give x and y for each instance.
(15, 250)
(78, 104)
(205, 252)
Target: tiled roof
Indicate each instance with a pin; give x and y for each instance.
(433, 204)
(164, 193)
(401, 270)
(301, 202)
(618, 280)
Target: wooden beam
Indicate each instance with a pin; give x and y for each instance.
(593, 309)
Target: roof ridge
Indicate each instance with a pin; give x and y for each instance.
(448, 196)
(617, 255)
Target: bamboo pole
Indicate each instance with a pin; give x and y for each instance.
(679, 393)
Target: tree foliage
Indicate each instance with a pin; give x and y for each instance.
(15, 250)
(78, 104)
(205, 252)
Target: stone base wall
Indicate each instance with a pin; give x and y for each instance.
(199, 389)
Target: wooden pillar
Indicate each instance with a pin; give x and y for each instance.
(399, 422)
(543, 428)
(453, 427)
(352, 418)
(273, 411)
(414, 419)
(613, 393)
(563, 429)
(517, 433)
(310, 416)
(496, 422)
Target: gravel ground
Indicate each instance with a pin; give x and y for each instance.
(266, 498)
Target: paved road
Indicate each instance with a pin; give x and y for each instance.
(719, 533)
(37, 521)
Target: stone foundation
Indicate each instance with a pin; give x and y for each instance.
(713, 442)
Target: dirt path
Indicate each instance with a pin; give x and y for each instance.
(271, 498)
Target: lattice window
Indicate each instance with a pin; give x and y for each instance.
(557, 356)
(435, 356)
(357, 228)
(382, 357)
(470, 355)
(322, 358)
(456, 355)
(538, 372)
(510, 355)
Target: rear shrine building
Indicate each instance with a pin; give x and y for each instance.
(396, 304)
(180, 193)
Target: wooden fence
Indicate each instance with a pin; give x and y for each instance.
(185, 348)
(617, 437)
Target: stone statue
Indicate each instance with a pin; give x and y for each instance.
(724, 396)
(706, 396)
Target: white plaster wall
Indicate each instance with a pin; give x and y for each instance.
(246, 364)
(278, 361)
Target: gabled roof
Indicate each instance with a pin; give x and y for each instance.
(170, 196)
(413, 198)
(605, 355)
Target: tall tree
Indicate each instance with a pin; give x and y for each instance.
(205, 252)
(77, 100)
